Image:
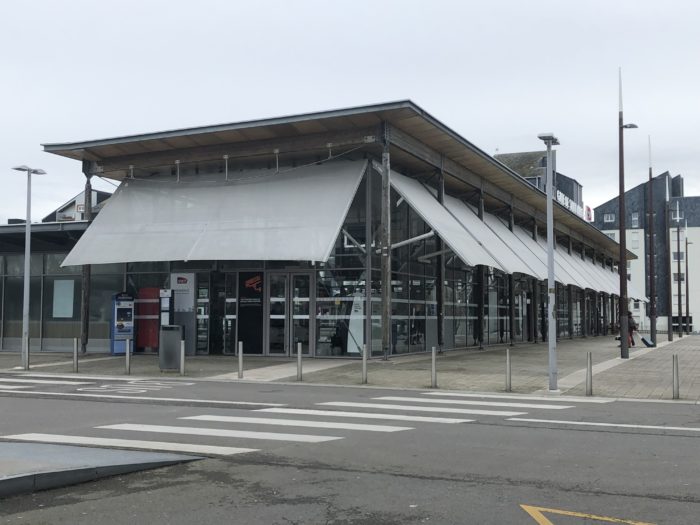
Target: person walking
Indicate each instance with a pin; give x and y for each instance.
(631, 329)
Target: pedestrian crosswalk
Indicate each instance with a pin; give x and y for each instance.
(225, 434)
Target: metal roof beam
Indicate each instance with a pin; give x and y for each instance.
(284, 145)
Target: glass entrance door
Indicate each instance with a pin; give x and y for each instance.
(289, 319)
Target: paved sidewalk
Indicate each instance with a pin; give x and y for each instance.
(646, 375)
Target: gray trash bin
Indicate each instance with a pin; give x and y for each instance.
(169, 347)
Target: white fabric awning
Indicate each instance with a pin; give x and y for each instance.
(261, 215)
(467, 247)
(538, 269)
(539, 250)
(495, 245)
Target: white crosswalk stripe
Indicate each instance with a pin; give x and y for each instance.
(414, 408)
(129, 443)
(363, 415)
(558, 399)
(14, 387)
(298, 423)
(219, 432)
(469, 402)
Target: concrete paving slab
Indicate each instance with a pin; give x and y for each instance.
(28, 467)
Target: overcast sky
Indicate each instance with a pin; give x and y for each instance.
(497, 72)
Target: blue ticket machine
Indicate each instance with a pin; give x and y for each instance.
(122, 326)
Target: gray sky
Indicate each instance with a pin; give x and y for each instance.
(497, 72)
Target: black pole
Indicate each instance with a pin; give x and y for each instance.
(622, 266)
(652, 262)
(669, 262)
(440, 278)
(687, 289)
(85, 295)
(678, 266)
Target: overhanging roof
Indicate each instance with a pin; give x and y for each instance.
(403, 116)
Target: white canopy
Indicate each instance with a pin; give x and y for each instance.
(261, 215)
(495, 245)
(538, 269)
(467, 247)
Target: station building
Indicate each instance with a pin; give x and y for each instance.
(374, 225)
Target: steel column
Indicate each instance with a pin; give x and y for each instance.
(386, 245)
(85, 292)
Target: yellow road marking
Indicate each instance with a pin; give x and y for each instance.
(536, 513)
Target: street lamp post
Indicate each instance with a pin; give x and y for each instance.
(550, 140)
(687, 286)
(652, 262)
(27, 258)
(678, 266)
(624, 302)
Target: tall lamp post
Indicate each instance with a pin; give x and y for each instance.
(678, 266)
(687, 286)
(550, 140)
(624, 302)
(27, 258)
(652, 262)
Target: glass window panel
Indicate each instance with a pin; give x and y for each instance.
(52, 262)
(14, 293)
(102, 288)
(15, 264)
(157, 266)
(340, 312)
(107, 268)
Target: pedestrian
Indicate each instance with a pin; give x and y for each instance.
(631, 328)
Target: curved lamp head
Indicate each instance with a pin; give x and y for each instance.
(629, 126)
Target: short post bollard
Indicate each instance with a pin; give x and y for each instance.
(433, 376)
(298, 361)
(240, 359)
(182, 357)
(75, 355)
(364, 364)
(676, 379)
(509, 387)
(589, 374)
(127, 353)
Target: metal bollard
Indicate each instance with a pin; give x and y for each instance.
(433, 378)
(240, 359)
(75, 355)
(298, 361)
(676, 379)
(508, 383)
(127, 353)
(182, 357)
(364, 364)
(589, 374)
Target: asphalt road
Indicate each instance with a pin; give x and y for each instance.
(360, 455)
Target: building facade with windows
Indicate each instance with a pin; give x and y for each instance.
(375, 226)
(676, 217)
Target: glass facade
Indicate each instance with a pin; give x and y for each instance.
(332, 309)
